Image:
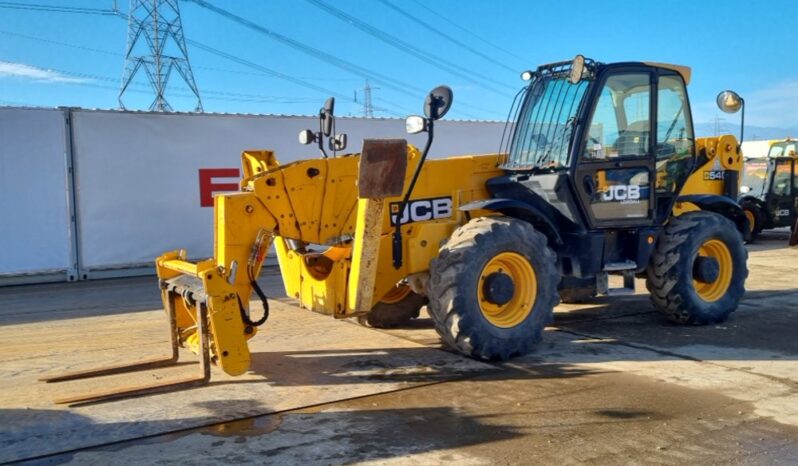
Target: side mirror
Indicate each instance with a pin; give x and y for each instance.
(338, 142)
(438, 102)
(306, 137)
(745, 189)
(327, 116)
(415, 124)
(729, 102)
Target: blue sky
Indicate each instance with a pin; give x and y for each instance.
(742, 45)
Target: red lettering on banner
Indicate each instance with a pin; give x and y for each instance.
(207, 187)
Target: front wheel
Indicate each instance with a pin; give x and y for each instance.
(493, 288)
(698, 270)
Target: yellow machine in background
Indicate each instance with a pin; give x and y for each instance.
(489, 242)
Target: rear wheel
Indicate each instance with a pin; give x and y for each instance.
(396, 308)
(698, 270)
(754, 215)
(493, 288)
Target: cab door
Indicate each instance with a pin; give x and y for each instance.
(781, 203)
(615, 166)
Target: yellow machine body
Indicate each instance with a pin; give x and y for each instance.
(715, 156)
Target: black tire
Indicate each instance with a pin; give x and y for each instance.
(577, 290)
(670, 274)
(455, 280)
(394, 314)
(752, 211)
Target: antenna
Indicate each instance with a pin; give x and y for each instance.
(156, 45)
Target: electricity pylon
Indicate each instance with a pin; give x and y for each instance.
(156, 46)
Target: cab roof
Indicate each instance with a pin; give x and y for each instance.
(685, 71)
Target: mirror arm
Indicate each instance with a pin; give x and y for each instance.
(742, 120)
(397, 234)
(332, 138)
(320, 136)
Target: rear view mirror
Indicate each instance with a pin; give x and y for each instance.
(327, 116)
(338, 142)
(438, 102)
(729, 102)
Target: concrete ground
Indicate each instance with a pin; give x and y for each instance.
(611, 383)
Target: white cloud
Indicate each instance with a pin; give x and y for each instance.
(21, 70)
(772, 106)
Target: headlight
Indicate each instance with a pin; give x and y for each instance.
(306, 136)
(415, 124)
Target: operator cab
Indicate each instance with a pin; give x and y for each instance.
(602, 150)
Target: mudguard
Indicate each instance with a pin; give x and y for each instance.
(521, 210)
(721, 205)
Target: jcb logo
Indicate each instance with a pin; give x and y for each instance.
(422, 210)
(621, 193)
(714, 175)
(783, 213)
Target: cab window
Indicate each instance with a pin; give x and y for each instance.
(781, 149)
(619, 126)
(782, 178)
(675, 148)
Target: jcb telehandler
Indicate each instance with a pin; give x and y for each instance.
(769, 191)
(599, 174)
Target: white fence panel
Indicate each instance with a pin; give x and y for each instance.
(138, 174)
(34, 197)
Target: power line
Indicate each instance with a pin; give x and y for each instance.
(347, 66)
(409, 48)
(314, 52)
(387, 81)
(261, 71)
(65, 44)
(434, 29)
(469, 32)
(276, 74)
(117, 54)
(56, 8)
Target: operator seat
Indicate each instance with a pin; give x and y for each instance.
(633, 140)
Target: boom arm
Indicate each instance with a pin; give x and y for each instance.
(333, 240)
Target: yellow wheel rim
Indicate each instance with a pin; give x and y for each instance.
(525, 290)
(396, 294)
(715, 290)
(751, 220)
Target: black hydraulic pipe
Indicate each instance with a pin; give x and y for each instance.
(397, 235)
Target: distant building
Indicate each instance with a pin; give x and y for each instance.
(757, 148)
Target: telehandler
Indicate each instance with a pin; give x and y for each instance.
(598, 174)
(769, 191)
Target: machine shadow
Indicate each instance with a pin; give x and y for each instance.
(402, 366)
